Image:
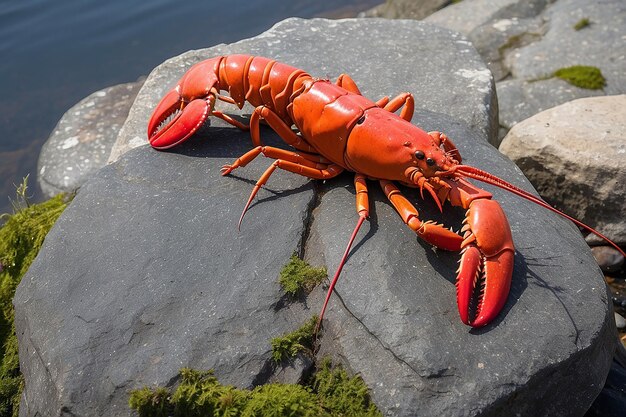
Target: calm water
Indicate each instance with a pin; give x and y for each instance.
(54, 53)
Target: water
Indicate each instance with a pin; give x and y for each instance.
(54, 53)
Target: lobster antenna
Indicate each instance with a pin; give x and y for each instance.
(336, 277)
(480, 175)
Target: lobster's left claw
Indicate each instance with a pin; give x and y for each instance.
(486, 265)
(174, 120)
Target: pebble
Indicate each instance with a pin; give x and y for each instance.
(620, 322)
(608, 258)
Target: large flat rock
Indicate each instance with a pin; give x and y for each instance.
(146, 272)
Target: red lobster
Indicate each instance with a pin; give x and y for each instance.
(339, 130)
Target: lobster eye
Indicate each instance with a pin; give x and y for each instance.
(419, 155)
(430, 162)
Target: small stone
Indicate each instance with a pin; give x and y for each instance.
(83, 138)
(575, 156)
(620, 322)
(608, 258)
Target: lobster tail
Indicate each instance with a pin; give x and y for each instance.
(486, 177)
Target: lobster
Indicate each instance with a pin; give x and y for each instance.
(339, 130)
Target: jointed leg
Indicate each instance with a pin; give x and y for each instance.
(404, 100)
(310, 160)
(431, 232)
(330, 171)
(362, 208)
(279, 126)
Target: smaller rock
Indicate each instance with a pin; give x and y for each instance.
(620, 322)
(608, 258)
(575, 156)
(82, 140)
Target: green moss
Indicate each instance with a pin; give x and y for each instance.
(342, 395)
(298, 276)
(289, 345)
(149, 402)
(582, 76)
(331, 393)
(582, 23)
(278, 400)
(21, 238)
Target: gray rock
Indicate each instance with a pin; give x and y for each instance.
(468, 15)
(601, 45)
(495, 41)
(620, 322)
(440, 68)
(405, 9)
(575, 155)
(525, 42)
(82, 140)
(146, 273)
(612, 400)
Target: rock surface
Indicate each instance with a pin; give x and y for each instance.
(575, 155)
(405, 9)
(524, 42)
(612, 400)
(146, 273)
(82, 140)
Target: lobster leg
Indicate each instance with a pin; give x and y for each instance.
(330, 171)
(279, 126)
(230, 120)
(404, 100)
(431, 232)
(362, 208)
(310, 160)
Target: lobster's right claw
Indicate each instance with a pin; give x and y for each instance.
(486, 265)
(174, 120)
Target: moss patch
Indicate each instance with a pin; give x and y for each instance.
(582, 23)
(331, 393)
(21, 238)
(289, 345)
(298, 276)
(582, 76)
(342, 395)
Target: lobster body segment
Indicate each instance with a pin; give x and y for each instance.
(338, 129)
(328, 113)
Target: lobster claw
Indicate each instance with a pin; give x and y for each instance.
(486, 266)
(184, 120)
(185, 108)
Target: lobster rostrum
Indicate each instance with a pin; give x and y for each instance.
(339, 130)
